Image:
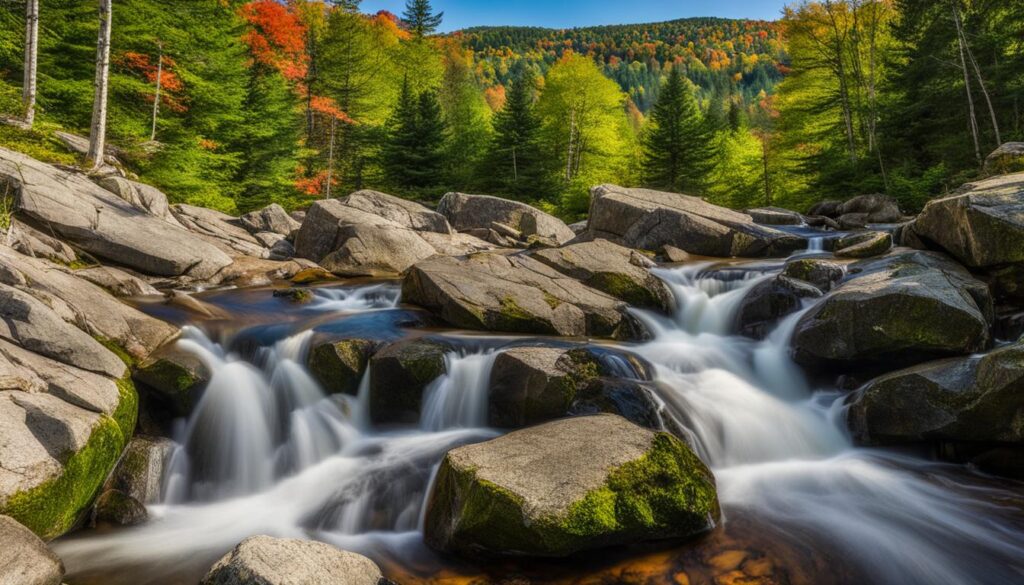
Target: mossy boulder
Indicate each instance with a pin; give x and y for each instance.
(896, 311)
(1008, 158)
(515, 293)
(823, 274)
(970, 399)
(531, 385)
(612, 269)
(295, 295)
(399, 373)
(864, 245)
(568, 486)
(118, 508)
(769, 301)
(140, 471)
(176, 377)
(339, 366)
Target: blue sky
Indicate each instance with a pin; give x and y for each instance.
(571, 13)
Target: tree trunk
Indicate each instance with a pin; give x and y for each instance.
(973, 120)
(764, 162)
(98, 128)
(977, 73)
(28, 91)
(156, 99)
(572, 137)
(330, 159)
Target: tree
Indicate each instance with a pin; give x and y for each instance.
(413, 155)
(678, 148)
(466, 116)
(420, 18)
(98, 128)
(28, 92)
(515, 165)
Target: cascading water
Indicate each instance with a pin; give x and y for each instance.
(267, 452)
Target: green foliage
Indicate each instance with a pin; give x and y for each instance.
(412, 156)
(514, 166)
(679, 149)
(466, 117)
(420, 18)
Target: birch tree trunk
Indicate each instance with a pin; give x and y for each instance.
(977, 73)
(156, 98)
(972, 120)
(98, 128)
(330, 158)
(28, 91)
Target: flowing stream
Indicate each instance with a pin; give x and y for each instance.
(268, 452)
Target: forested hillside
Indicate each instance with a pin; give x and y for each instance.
(234, 105)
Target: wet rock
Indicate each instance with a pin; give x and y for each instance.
(176, 376)
(863, 210)
(116, 507)
(262, 560)
(24, 559)
(568, 486)
(970, 399)
(406, 213)
(145, 197)
(295, 295)
(117, 282)
(272, 218)
(247, 271)
(219, 229)
(673, 254)
(58, 445)
(339, 366)
(311, 276)
(399, 373)
(774, 216)
(515, 293)
(821, 273)
(466, 212)
(864, 245)
(612, 269)
(650, 220)
(95, 220)
(282, 250)
(633, 400)
(901, 309)
(828, 208)
(140, 472)
(1008, 158)
(768, 302)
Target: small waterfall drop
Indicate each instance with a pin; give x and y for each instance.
(458, 399)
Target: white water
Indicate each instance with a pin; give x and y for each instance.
(267, 452)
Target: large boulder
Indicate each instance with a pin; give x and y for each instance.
(399, 373)
(864, 210)
(466, 212)
(821, 273)
(271, 219)
(901, 309)
(974, 399)
(982, 226)
(85, 305)
(219, 229)
(1008, 158)
(401, 211)
(24, 559)
(515, 293)
(863, 245)
(651, 220)
(145, 197)
(769, 301)
(262, 560)
(101, 223)
(62, 429)
(140, 472)
(612, 269)
(567, 486)
(534, 384)
(176, 377)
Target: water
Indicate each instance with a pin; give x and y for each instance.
(267, 452)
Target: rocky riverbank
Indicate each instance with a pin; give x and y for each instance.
(919, 319)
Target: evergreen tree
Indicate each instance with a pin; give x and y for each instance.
(678, 149)
(420, 18)
(466, 115)
(514, 166)
(412, 157)
(268, 142)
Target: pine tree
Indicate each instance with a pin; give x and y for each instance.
(420, 18)
(514, 166)
(678, 150)
(412, 158)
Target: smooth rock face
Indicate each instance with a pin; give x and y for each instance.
(612, 269)
(566, 486)
(821, 273)
(466, 212)
(96, 220)
(399, 373)
(768, 302)
(262, 560)
(864, 245)
(272, 218)
(774, 216)
(220, 230)
(977, 398)
(862, 210)
(515, 293)
(401, 211)
(117, 282)
(983, 226)
(145, 197)
(116, 507)
(650, 220)
(61, 432)
(901, 309)
(24, 559)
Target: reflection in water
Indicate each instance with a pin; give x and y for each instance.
(267, 452)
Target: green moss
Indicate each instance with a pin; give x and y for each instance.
(551, 300)
(512, 317)
(339, 366)
(116, 349)
(622, 287)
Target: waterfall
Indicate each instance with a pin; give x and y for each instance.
(458, 399)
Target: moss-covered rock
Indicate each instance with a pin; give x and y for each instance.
(568, 486)
(1008, 158)
(312, 275)
(398, 375)
(295, 295)
(339, 366)
(175, 376)
(118, 508)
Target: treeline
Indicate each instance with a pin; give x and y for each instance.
(234, 105)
